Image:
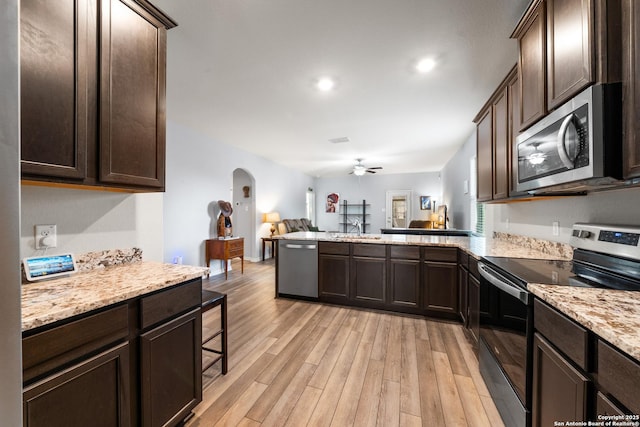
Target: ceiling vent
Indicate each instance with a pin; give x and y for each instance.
(340, 140)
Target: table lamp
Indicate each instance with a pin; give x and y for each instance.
(272, 217)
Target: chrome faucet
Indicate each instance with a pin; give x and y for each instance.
(358, 224)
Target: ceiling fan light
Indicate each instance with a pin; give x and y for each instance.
(359, 171)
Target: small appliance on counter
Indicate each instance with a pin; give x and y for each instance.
(605, 256)
(49, 266)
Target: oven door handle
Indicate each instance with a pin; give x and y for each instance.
(501, 283)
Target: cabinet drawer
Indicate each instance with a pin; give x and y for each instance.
(333, 248)
(236, 245)
(405, 252)
(168, 303)
(569, 337)
(441, 254)
(372, 250)
(618, 375)
(463, 258)
(50, 349)
(235, 252)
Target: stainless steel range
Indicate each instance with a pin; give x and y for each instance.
(605, 256)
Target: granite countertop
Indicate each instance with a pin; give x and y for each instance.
(57, 299)
(505, 245)
(611, 314)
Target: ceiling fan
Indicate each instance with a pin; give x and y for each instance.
(359, 169)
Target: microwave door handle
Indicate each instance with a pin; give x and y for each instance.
(561, 142)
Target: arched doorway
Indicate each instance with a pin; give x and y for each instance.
(244, 211)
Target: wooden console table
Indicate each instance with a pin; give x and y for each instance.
(225, 249)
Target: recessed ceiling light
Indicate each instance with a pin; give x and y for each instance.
(425, 65)
(325, 84)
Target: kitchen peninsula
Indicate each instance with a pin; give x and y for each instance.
(417, 274)
(120, 343)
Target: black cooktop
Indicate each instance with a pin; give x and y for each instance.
(588, 269)
(543, 271)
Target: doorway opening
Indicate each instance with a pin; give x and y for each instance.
(244, 210)
(398, 208)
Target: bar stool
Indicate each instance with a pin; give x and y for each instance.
(212, 299)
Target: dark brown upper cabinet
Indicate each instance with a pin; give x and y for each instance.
(484, 155)
(55, 76)
(631, 88)
(93, 93)
(570, 62)
(500, 145)
(495, 138)
(564, 46)
(132, 102)
(513, 87)
(531, 36)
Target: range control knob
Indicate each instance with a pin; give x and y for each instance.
(581, 234)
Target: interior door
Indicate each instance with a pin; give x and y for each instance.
(398, 209)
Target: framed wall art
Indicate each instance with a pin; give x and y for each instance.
(425, 203)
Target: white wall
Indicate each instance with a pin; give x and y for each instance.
(89, 220)
(10, 348)
(535, 218)
(454, 175)
(199, 173)
(373, 188)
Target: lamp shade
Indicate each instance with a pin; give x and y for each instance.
(272, 217)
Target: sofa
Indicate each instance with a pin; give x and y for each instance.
(293, 225)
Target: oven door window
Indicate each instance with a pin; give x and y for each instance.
(503, 329)
(558, 148)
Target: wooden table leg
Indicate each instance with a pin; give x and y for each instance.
(242, 263)
(226, 268)
(263, 249)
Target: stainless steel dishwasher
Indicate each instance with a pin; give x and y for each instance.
(298, 268)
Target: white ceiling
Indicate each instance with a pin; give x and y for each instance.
(243, 72)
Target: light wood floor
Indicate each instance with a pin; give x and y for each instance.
(298, 363)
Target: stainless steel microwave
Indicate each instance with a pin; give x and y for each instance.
(577, 146)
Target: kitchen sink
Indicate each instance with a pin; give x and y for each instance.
(353, 236)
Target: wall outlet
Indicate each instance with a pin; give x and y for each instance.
(556, 228)
(46, 236)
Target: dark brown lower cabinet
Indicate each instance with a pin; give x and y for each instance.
(441, 287)
(463, 294)
(474, 308)
(333, 278)
(560, 391)
(170, 367)
(94, 392)
(368, 281)
(618, 376)
(604, 406)
(404, 283)
(135, 363)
